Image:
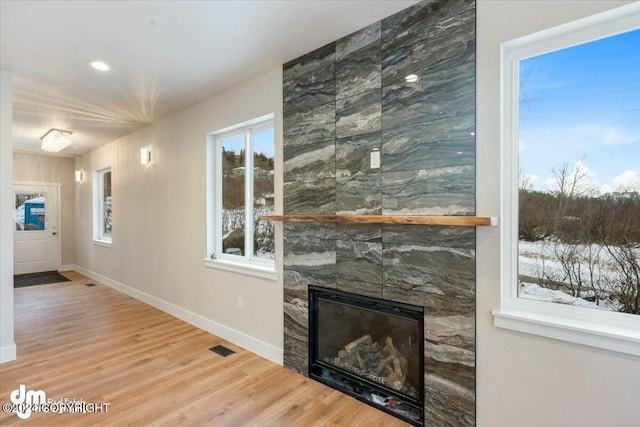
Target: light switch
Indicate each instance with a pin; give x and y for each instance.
(375, 159)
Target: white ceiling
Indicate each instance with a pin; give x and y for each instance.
(165, 55)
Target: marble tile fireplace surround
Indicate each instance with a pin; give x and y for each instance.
(346, 100)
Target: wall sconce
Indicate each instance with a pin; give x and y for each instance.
(56, 140)
(145, 156)
(79, 176)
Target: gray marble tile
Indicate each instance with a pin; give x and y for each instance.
(443, 306)
(450, 321)
(401, 28)
(320, 58)
(440, 94)
(396, 65)
(359, 73)
(430, 235)
(448, 404)
(358, 41)
(310, 126)
(449, 141)
(433, 270)
(310, 90)
(353, 154)
(359, 195)
(359, 232)
(307, 162)
(307, 236)
(296, 355)
(439, 47)
(443, 191)
(358, 66)
(359, 267)
(452, 363)
(296, 318)
(358, 114)
(405, 296)
(309, 256)
(450, 43)
(310, 197)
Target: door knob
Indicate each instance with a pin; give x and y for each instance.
(54, 233)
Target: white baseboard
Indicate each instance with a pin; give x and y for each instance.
(66, 267)
(8, 353)
(236, 337)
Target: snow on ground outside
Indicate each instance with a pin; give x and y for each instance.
(530, 264)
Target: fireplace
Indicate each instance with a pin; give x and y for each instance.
(369, 348)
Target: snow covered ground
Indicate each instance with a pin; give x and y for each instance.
(538, 257)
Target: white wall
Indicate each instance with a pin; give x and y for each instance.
(42, 168)
(525, 380)
(7, 345)
(159, 220)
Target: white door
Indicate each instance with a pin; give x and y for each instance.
(36, 239)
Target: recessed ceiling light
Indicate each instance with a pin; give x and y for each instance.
(99, 65)
(411, 78)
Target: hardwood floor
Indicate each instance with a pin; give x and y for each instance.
(96, 344)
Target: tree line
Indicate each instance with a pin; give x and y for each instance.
(594, 237)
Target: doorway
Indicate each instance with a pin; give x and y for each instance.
(36, 238)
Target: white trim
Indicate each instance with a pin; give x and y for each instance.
(247, 263)
(66, 267)
(597, 328)
(242, 268)
(38, 183)
(254, 345)
(254, 124)
(8, 353)
(105, 243)
(588, 333)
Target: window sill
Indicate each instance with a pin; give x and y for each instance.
(249, 270)
(105, 243)
(620, 339)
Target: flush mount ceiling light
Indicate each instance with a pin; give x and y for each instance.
(55, 140)
(99, 65)
(411, 78)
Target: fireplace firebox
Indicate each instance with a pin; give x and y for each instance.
(369, 348)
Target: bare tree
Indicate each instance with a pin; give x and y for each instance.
(569, 183)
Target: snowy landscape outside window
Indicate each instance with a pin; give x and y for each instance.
(571, 182)
(243, 183)
(579, 180)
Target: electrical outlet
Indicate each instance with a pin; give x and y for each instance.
(241, 303)
(375, 159)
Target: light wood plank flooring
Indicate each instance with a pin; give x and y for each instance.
(96, 344)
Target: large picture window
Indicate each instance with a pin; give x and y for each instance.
(241, 188)
(571, 182)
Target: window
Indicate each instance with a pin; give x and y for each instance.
(571, 182)
(102, 206)
(241, 188)
(30, 211)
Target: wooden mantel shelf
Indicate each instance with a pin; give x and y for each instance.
(464, 221)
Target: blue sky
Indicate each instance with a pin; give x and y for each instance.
(583, 104)
(262, 142)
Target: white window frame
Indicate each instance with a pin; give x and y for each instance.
(597, 328)
(248, 263)
(99, 236)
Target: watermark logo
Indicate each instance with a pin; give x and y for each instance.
(25, 402)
